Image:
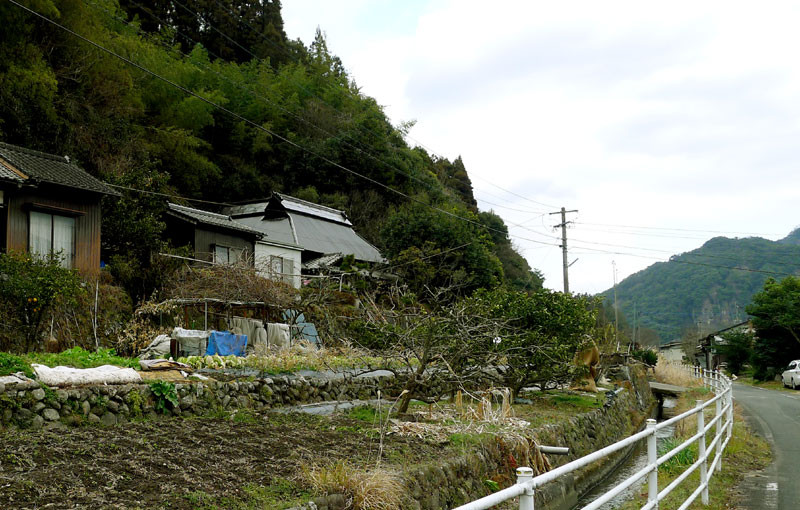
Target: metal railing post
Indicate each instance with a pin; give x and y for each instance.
(525, 474)
(652, 459)
(730, 410)
(718, 429)
(701, 451)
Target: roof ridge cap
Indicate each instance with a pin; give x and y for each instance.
(226, 216)
(318, 206)
(34, 152)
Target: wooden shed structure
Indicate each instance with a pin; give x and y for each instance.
(50, 205)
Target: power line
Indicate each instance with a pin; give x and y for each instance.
(255, 94)
(168, 195)
(235, 17)
(735, 268)
(675, 229)
(253, 124)
(689, 254)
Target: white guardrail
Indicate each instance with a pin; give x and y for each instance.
(723, 421)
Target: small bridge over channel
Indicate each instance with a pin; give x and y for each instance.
(661, 390)
(670, 390)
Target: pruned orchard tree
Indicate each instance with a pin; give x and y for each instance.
(514, 339)
(542, 332)
(423, 341)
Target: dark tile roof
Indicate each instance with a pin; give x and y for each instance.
(42, 167)
(208, 218)
(6, 174)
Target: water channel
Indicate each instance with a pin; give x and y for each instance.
(635, 462)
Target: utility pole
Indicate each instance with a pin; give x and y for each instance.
(634, 328)
(616, 313)
(563, 212)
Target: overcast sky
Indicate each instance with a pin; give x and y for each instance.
(679, 117)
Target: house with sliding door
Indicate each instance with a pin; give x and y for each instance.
(49, 205)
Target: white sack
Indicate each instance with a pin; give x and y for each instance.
(158, 348)
(68, 376)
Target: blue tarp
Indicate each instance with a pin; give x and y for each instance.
(226, 343)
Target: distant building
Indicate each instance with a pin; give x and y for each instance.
(50, 205)
(324, 234)
(707, 353)
(214, 238)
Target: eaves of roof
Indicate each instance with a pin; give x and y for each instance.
(30, 167)
(200, 217)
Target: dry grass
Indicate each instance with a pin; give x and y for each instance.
(304, 356)
(671, 372)
(375, 489)
(475, 421)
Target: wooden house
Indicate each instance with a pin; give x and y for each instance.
(49, 205)
(320, 231)
(302, 237)
(214, 238)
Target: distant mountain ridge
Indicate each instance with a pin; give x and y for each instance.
(707, 288)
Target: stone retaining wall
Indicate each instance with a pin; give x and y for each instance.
(433, 487)
(29, 405)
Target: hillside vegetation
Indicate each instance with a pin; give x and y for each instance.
(210, 100)
(705, 289)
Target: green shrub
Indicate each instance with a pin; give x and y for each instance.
(681, 460)
(164, 393)
(31, 286)
(78, 357)
(10, 364)
(646, 356)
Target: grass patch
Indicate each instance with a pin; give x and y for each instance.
(294, 359)
(556, 405)
(677, 464)
(11, 364)
(281, 494)
(364, 413)
(575, 400)
(81, 358)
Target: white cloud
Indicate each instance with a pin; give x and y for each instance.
(679, 115)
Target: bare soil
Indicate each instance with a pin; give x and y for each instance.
(186, 463)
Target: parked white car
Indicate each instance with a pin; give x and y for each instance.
(791, 376)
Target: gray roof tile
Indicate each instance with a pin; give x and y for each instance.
(209, 218)
(49, 168)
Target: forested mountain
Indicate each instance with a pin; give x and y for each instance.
(705, 289)
(209, 100)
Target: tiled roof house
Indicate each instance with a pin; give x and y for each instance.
(50, 205)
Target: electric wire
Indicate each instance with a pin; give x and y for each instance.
(406, 135)
(253, 124)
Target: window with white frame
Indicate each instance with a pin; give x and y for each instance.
(226, 254)
(52, 234)
(281, 268)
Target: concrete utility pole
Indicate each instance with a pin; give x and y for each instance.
(616, 312)
(563, 226)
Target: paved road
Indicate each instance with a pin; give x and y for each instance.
(776, 416)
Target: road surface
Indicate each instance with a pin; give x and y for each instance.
(775, 415)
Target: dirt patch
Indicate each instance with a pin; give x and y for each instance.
(186, 463)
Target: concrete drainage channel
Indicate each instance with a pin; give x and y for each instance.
(328, 408)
